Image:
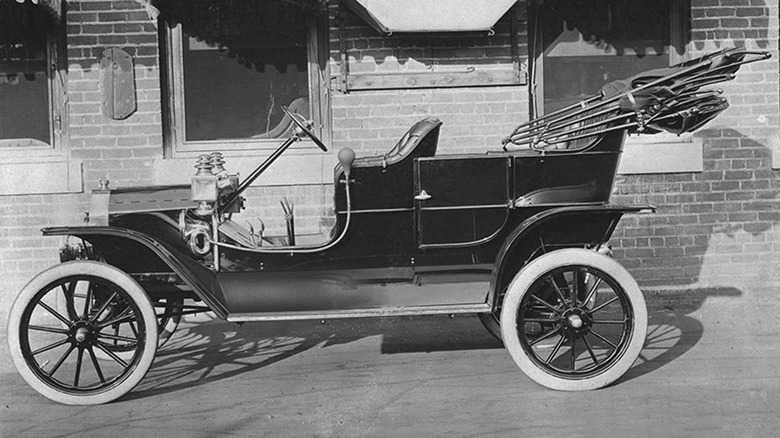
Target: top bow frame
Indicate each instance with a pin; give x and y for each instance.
(670, 99)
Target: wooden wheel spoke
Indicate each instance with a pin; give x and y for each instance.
(541, 320)
(610, 321)
(103, 308)
(61, 361)
(134, 330)
(56, 314)
(615, 298)
(544, 303)
(112, 355)
(596, 334)
(544, 336)
(555, 350)
(126, 311)
(50, 346)
(592, 291)
(117, 338)
(577, 277)
(87, 300)
(573, 353)
(70, 293)
(79, 361)
(96, 364)
(120, 320)
(41, 328)
(551, 279)
(590, 350)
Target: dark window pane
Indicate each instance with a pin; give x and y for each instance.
(588, 44)
(24, 78)
(242, 61)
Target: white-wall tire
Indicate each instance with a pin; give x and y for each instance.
(55, 352)
(607, 320)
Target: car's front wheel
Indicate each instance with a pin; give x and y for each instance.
(68, 356)
(574, 320)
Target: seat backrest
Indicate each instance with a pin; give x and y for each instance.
(420, 140)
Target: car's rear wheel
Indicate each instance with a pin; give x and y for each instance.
(57, 352)
(574, 320)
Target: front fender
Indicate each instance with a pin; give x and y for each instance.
(128, 250)
(551, 229)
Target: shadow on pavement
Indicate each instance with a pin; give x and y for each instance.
(210, 352)
(671, 331)
(214, 351)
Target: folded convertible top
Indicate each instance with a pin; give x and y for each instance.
(673, 99)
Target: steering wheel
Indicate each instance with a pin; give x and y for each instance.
(305, 127)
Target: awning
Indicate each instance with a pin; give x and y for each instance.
(389, 16)
(54, 5)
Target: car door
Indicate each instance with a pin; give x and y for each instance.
(460, 200)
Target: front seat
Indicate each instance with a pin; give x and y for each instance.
(411, 143)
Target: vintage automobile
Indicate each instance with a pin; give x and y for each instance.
(517, 236)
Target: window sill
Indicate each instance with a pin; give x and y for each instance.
(661, 153)
(43, 175)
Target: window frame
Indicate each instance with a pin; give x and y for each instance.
(641, 154)
(47, 168)
(174, 142)
(57, 147)
(679, 31)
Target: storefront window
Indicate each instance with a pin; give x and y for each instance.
(26, 111)
(582, 45)
(234, 64)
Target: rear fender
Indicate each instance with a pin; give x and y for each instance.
(133, 251)
(585, 226)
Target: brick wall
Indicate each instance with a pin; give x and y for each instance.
(120, 150)
(717, 228)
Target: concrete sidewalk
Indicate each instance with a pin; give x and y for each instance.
(709, 368)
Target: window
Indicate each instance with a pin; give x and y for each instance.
(582, 45)
(233, 64)
(31, 85)
(33, 101)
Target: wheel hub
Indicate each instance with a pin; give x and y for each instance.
(575, 320)
(82, 333)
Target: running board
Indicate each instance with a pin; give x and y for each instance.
(361, 313)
